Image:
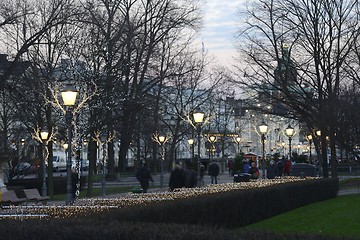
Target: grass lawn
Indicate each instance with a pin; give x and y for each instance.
(335, 217)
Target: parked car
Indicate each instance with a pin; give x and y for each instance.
(241, 177)
(59, 164)
(304, 169)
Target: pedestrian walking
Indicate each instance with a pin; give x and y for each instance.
(214, 171)
(254, 171)
(287, 167)
(272, 170)
(190, 178)
(280, 165)
(143, 175)
(246, 166)
(202, 172)
(177, 178)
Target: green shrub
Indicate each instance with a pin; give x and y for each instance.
(91, 229)
(239, 163)
(202, 217)
(231, 209)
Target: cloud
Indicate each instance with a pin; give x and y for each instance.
(220, 27)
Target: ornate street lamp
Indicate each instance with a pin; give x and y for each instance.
(263, 130)
(69, 95)
(44, 135)
(290, 133)
(198, 119)
(161, 140)
(212, 140)
(103, 138)
(238, 141)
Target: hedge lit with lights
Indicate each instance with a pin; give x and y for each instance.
(250, 192)
(202, 213)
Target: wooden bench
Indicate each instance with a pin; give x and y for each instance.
(33, 195)
(10, 198)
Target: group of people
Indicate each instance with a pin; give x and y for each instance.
(187, 178)
(179, 177)
(274, 169)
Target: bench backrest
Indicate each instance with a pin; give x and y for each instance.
(32, 193)
(10, 195)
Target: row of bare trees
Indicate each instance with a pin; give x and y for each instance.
(134, 58)
(302, 57)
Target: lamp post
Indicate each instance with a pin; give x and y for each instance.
(238, 141)
(69, 95)
(191, 143)
(44, 134)
(198, 118)
(212, 140)
(263, 130)
(162, 140)
(310, 138)
(103, 138)
(290, 133)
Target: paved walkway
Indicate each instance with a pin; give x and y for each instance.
(133, 182)
(349, 191)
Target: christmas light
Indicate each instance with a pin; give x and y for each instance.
(88, 206)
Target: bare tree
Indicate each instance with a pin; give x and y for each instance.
(30, 32)
(188, 86)
(295, 53)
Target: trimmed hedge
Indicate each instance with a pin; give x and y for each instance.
(87, 229)
(203, 217)
(231, 209)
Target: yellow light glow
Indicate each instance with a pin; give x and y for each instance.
(263, 128)
(69, 95)
(289, 131)
(198, 117)
(44, 135)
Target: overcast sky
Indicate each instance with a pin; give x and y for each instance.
(220, 26)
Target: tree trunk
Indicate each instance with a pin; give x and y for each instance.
(324, 156)
(92, 155)
(333, 158)
(111, 161)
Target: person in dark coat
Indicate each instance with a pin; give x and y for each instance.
(190, 178)
(143, 175)
(202, 172)
(177, 178)
(214, 171)
(281, 164)
(231, 166)
(254, 171)
(272, 170)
